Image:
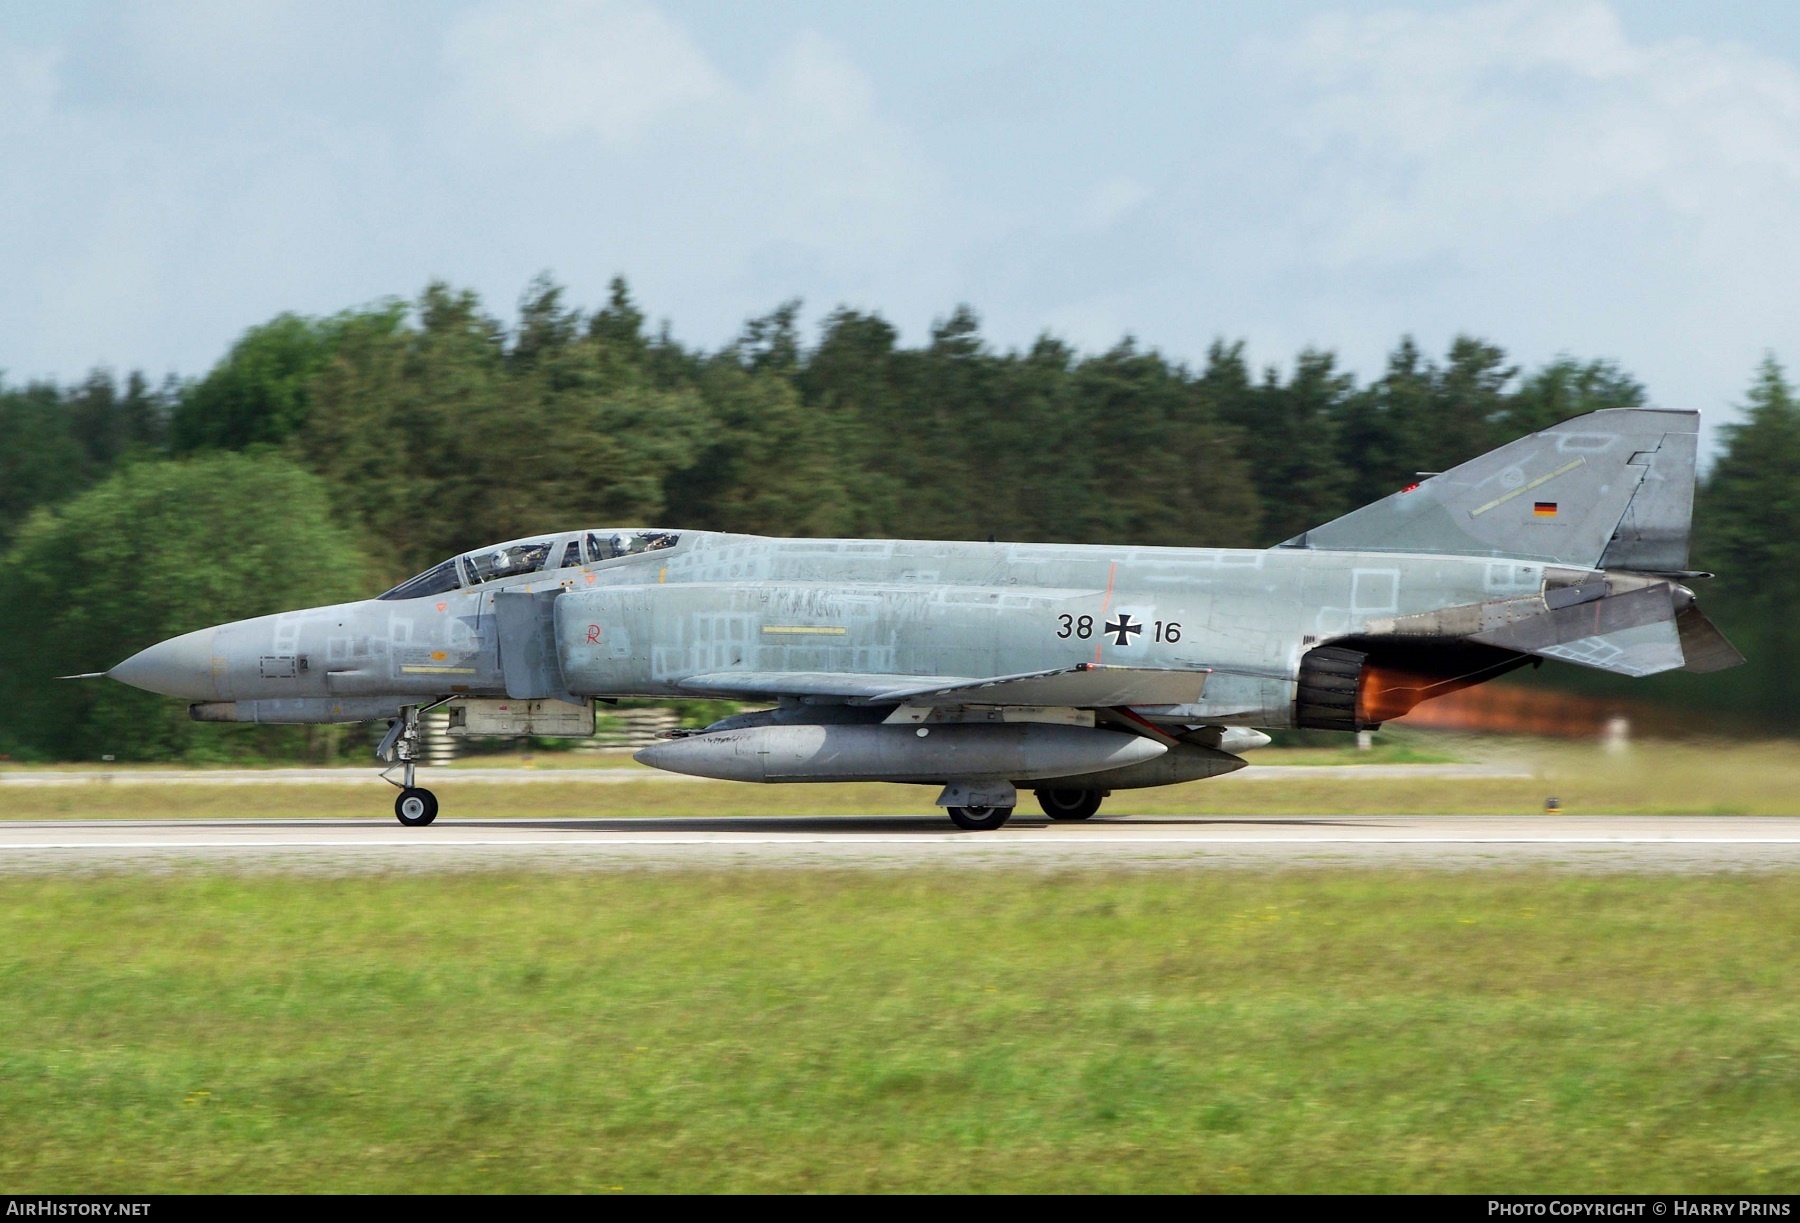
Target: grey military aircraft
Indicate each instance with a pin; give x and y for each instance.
(983, 667)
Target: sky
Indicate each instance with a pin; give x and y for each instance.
(1616, 180)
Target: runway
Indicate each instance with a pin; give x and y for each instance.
(1635, 843)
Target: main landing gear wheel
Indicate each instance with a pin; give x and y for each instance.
(979, 819)
(1069, 804)
(415, 807)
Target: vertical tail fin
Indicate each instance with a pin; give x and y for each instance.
(1612, 489)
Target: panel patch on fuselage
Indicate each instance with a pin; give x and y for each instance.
(1374, 591)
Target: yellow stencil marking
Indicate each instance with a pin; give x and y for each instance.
(438, 670)
(823, 630)
(1525, 488)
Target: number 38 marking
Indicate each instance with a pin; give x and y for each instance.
(1082, 627)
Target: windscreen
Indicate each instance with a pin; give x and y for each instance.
(434, 581)
(604, 545)
(510, 560)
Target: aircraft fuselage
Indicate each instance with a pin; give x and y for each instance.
(683, 621)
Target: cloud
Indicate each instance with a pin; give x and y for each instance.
(847, 176)
(785, 179)
(1112, 200)
(177, 173)
(1523, 169)
(1452, 131)
(28, 80)
(610, 68)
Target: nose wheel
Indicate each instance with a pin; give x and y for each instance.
(415, 807)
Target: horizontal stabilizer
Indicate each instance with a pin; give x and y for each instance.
(1703, 645)
(1635, 632)
(1628, 634)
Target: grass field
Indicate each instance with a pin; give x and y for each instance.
(804, 1030)
(1652, 778)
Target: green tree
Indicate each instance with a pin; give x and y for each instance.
(1164, 469)
(158, 549)
(1379, 433)
(546, 327)
(41, 459)
(1748, 529)
(619, 322)
(1420, 416)
(771, 342)
(112, 422)
(853, 377)
(1288, 436)
(55, 442)
(928, 436)
(261, 391)
(1469, 408)
(438, 436)
(767, 462)
(1030, 475)
(1563, 388)
(906, 419)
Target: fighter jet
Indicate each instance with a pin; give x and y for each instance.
(980, 668)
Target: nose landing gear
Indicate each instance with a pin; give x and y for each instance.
(416, 806)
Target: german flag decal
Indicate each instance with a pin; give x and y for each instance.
(1544, 509)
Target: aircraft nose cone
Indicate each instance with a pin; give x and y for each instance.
(181, 666)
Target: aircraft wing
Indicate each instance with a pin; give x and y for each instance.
(839, 685)
(1086, 685)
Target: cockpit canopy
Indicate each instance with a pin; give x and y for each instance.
(521, 556)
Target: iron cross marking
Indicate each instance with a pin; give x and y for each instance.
(1122, 629)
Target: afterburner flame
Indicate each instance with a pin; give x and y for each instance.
(1387, 693)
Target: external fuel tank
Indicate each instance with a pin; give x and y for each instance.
(1013, 752)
